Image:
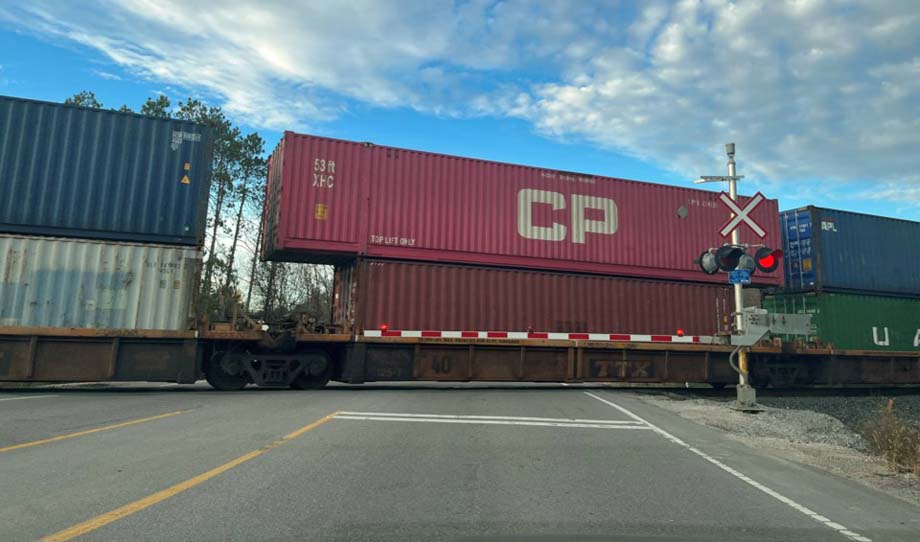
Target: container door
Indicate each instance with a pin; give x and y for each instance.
(799, 258)
(188, 176)
(324, 196)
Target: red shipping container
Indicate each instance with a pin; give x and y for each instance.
(331, 200)
(448, 297)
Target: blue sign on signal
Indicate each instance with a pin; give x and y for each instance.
(739, 276)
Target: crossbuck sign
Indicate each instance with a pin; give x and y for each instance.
(742, 215)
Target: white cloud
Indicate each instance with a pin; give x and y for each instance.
(807, 89)
(802, 88)
(108, 76)
(282, 64)
(902, 200)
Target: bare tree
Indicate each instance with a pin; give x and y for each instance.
(252, 168)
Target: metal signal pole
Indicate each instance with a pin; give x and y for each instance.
(746, 394)
(743, 380)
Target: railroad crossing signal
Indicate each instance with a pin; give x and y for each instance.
(742, 215)
(736, 258)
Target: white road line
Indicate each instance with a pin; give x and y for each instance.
(778, 496)
(26, 397)
(490, 422)
(474, 417)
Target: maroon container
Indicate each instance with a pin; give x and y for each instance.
(447, 297)
(331, 200)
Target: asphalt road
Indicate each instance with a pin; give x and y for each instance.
(404, 463)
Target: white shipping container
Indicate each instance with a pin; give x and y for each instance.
(53, 282)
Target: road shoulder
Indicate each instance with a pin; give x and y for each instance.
(809, 438)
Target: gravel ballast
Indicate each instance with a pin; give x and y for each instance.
(852, 410)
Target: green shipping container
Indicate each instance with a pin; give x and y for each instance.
(855, 322)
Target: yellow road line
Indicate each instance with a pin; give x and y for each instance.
(91, 431)
(104, 519)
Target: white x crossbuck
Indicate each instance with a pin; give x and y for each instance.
(742, 215)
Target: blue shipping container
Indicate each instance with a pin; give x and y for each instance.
(830, 250)
(71, 171)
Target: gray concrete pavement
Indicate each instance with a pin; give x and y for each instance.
(407, 463)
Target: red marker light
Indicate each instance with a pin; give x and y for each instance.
(384, 327)
(767, 259)
(680, 332)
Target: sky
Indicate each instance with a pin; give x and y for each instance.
(821, 98)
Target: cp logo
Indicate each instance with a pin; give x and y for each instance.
(578, 226)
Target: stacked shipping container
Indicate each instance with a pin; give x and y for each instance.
(851, 272)
(330, 201)
(102, 217)
(76, 172)
(422, 296)
(79, 283)
(830, 250)
(855, 321)
(579, 252)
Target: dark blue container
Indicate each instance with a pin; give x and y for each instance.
(69, 171)
(829, 250)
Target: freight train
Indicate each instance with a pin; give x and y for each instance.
(445, 269)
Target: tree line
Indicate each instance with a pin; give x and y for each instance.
(233, 276)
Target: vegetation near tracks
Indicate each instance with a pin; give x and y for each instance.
(233, 273)
(896, 440)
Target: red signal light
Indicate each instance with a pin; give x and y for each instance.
(384, 327)
(680, 332)
(767, 259)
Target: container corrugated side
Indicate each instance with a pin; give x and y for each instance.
(425, 296)
(827, 249)
(76, 172)
(340, 198)
(855, 322)
(75, 283)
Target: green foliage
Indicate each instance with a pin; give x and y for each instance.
(227, 137)
(158, 107)
(253, 164)
(84, 98)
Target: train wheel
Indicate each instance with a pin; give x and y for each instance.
(224, 373)
(317, 371)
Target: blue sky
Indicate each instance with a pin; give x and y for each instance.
(821, 98)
